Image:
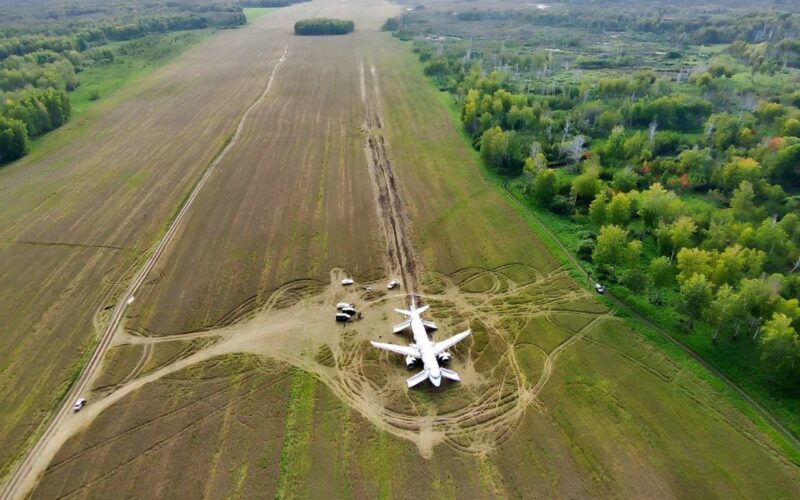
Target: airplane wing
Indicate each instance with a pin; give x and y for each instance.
(402, 326)
(450, 374)
(442, 346)
(430, 325)
(399, 349)
(416, 379)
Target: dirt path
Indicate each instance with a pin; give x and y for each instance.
(401, 258)
(763, 412)
(23, 478)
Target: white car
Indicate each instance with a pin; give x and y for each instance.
(600, 288)
(347, 281)
(79, 404)
(392, 284)
(343, 305)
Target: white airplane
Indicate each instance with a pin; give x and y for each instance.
(430, 353)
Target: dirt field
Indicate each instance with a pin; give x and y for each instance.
(298, 201)
(78, 214)
(232, 375)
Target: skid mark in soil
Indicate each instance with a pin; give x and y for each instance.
(296, 326)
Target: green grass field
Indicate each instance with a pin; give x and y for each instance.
(253, 13)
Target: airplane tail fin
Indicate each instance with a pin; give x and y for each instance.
(402, 326)
(450, 374)
(416, 379)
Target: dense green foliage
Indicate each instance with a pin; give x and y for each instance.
(323, 26)
(682, 174)
(269, 3)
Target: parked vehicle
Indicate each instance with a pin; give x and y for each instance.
(80, 403)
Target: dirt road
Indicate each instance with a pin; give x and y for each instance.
(23, 478)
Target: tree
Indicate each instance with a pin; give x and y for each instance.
(625, 179)
(736, 263)
(743, 202)
(737, 170)
(786, 166)
(724, 312)
(494, 147)
(657, 205)
(544, 186)
(661, 271)
(608, 119)
(692, 261)
(619, 209)
(680, 233)
(613, 151)
(588, 184)
(696, 295)
(780, 346)
(791, 127)
(772, 239)
(574, 149)
(613, 248)
(13, 139)
(598, 210)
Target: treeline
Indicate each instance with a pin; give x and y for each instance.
(103, 33)
(688, 208)
(29, 113)
(269, 3)
(694, 27)
(323, 26)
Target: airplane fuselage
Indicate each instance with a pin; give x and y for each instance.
(425, 346)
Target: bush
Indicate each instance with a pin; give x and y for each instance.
(323, 26)
(585, 250)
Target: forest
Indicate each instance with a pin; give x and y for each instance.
(322, 26)
(663, 149)
(42, 54)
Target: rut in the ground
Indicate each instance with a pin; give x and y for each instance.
(400, 253)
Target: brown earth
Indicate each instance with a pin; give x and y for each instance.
(75, 221)
(298, 200)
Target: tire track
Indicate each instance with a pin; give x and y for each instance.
(391, 209)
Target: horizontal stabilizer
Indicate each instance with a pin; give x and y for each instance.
(446, 344)
(404, 312)
(430, 325)
(450, 374)
(419, 377)
(399, 349)
(402, 326)
(422, 309)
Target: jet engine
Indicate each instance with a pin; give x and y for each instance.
(410, 361)
(445, 358)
